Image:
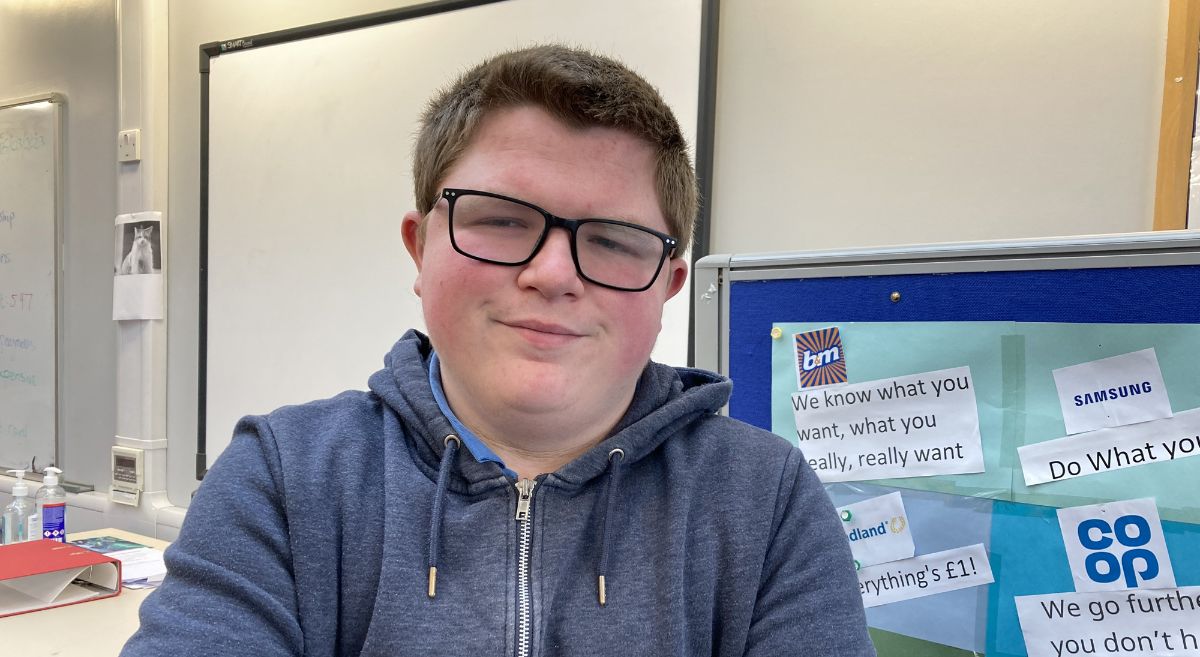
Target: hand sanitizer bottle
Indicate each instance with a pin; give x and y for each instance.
(51, 502)
(18, 513)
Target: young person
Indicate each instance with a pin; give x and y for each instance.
(523, 481)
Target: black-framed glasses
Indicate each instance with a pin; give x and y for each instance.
(506, 231)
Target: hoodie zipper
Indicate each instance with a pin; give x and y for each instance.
(524, 584)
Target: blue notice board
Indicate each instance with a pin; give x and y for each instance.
(1007, 315)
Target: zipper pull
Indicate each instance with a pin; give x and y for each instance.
(524, 497)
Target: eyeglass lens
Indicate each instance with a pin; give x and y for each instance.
(505, 232)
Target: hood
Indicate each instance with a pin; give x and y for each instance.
(666, 400)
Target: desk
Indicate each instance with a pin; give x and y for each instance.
(97, 627)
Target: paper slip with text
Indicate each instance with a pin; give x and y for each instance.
(909, 426)
(1090, 453)
(1161, 622)
(1112, 392)
(924, 575)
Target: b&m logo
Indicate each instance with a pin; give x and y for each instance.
(1107, 562)
(820, 358)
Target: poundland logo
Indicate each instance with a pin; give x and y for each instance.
(894, 526)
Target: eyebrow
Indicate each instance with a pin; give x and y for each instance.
(614, 217)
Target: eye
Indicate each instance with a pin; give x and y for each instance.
(495, 216)
(618, 247)
(619, 241)
(501, 222)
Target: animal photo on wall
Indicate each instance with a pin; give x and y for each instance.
(138, 266)
(139, 251)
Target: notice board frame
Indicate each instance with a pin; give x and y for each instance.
(1136, 278)
(717, 331)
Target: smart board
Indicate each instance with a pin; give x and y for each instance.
(306, 283)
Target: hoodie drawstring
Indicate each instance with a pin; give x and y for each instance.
(609, 508)
(452, 443)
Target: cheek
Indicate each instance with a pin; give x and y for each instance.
(639, 325)
(437, 290)
(452, 289)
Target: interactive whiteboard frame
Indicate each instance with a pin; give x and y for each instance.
(703, 136)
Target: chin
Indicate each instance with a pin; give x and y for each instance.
(539, 384)
(534, 400)
(541, 379)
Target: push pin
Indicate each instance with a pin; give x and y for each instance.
(895, 297)
(776, 333)
(846, 515)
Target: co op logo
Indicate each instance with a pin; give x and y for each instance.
(1104, 566)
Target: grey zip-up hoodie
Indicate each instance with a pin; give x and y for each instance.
(315, 533)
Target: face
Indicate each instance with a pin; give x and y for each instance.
(536, 338)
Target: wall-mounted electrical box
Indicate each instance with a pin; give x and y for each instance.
(128, 475)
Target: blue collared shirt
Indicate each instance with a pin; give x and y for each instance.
(477, 447)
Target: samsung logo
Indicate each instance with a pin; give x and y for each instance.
(1110, 394)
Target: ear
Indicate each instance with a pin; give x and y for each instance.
(410, 231)
(677, 271)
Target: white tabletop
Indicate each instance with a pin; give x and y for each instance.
(96, 628)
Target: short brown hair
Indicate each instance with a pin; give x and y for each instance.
(575, 86)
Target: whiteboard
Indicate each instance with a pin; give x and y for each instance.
(310, 142)
(29, 143)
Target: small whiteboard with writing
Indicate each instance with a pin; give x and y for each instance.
(29, 143)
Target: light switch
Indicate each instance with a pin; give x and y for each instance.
(129, 146)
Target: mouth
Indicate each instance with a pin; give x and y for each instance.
(544, 336)
(548, 328)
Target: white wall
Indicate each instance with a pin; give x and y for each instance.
(878, 122)
(904, 121)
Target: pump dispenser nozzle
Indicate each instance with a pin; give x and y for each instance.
(50, 477)
(19, 489)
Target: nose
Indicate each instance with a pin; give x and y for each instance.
(552, 270)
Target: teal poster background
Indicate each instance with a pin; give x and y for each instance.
(1011, 367)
